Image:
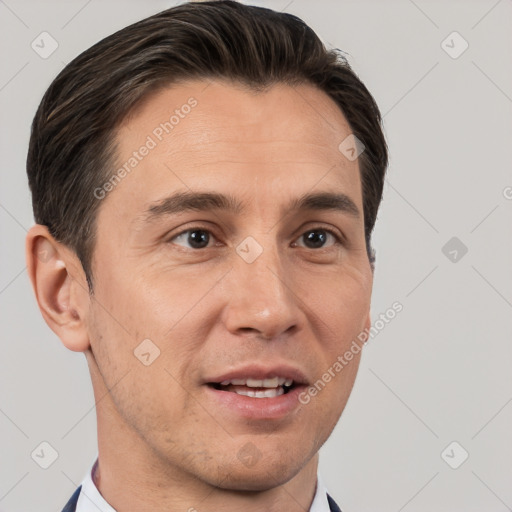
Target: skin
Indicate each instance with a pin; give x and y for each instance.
(163, 445)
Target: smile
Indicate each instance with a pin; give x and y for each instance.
(256, 388)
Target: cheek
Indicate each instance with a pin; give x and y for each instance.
(138, 320)
(341, 302)
(147, 396)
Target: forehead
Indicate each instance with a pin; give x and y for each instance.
(263, 113)
(212, 135)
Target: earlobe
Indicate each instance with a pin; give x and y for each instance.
(55, 275)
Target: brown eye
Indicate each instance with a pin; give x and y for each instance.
(317, 238)
(196, 238)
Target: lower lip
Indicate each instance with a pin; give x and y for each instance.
(257, 408)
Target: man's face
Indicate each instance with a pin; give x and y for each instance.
(262, 292)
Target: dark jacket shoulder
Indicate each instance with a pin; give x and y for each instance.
(71, 504)
(333, 505)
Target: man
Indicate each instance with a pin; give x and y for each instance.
(205, 183)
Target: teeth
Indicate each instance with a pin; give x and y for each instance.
(269, 393)
(274, 382)
(235, 382)
(271, 383)
(265, 383)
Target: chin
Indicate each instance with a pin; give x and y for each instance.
(260, 475)
(256, 481)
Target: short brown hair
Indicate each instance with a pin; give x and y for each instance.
(72, 144)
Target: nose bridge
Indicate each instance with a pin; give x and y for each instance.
(261, 297)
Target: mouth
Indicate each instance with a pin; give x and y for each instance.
(256, 388)
(256, 392)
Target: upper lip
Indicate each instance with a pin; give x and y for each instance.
(261, 372)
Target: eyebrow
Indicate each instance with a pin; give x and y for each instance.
(181, 202)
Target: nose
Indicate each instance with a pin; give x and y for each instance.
(261, 299)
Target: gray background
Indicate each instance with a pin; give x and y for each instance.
(439, 372)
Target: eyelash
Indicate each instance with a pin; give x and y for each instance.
(338, 239)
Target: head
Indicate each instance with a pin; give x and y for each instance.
(199, 217)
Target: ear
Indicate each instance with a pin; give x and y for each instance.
(368, 322)
(60, 287)
(367, 327)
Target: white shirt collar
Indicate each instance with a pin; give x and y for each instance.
(90, 499)
(320, 503)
